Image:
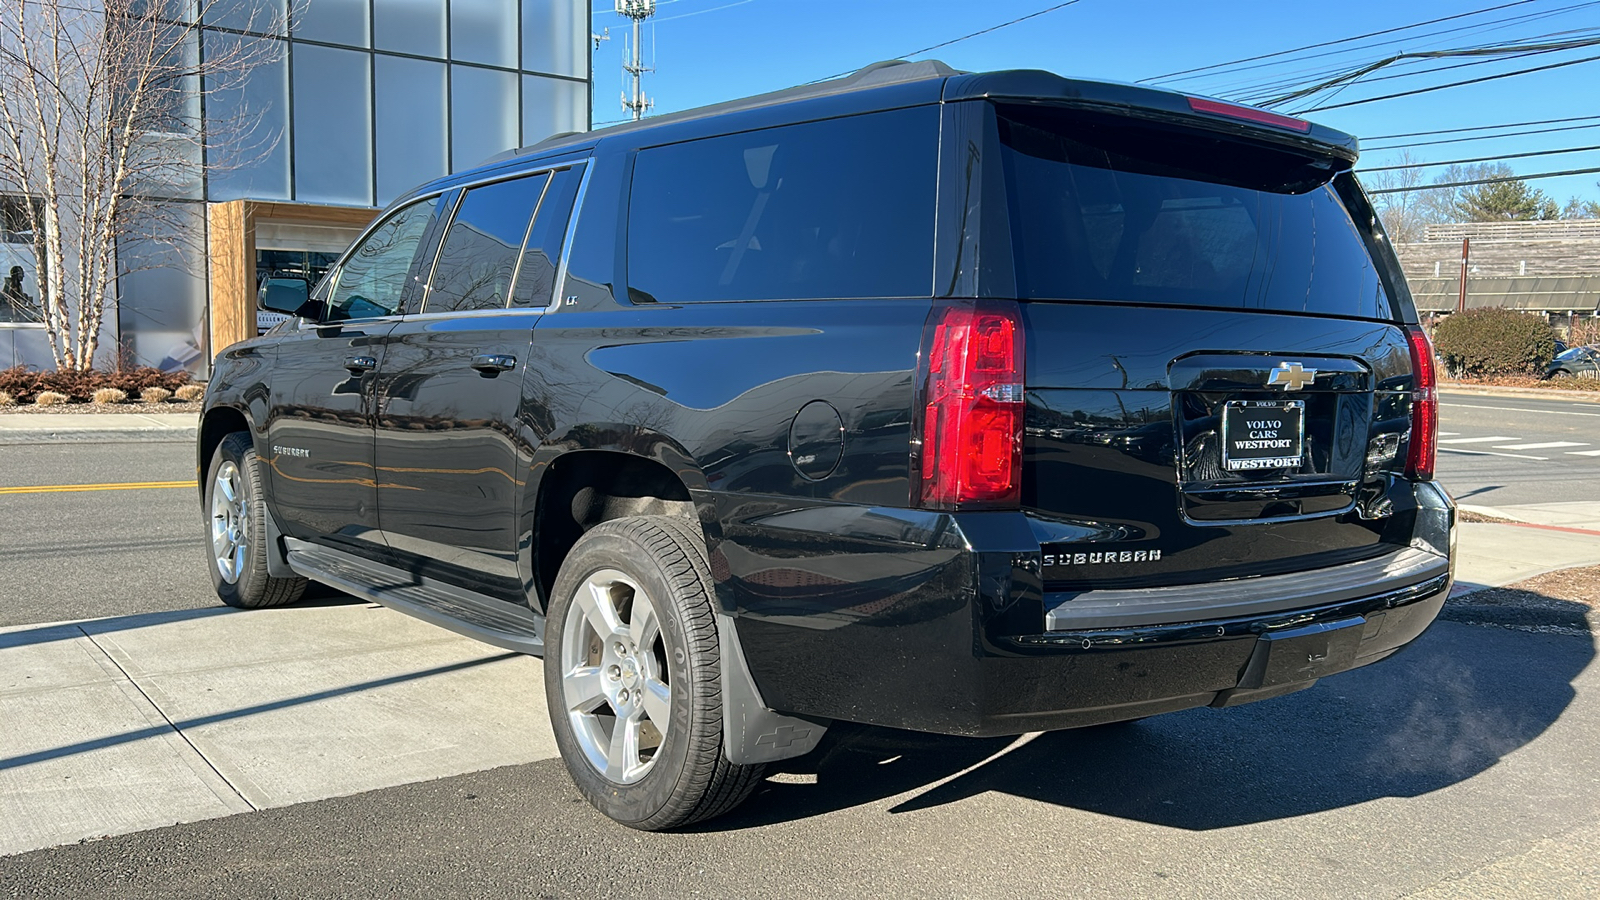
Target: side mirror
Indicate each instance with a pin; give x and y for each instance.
(283, 295)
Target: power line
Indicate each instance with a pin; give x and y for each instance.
(1359, 37)
(1386, 137)
(1440, 87)
(1459, 162)
(1478, 181)
(1351, 76)
(1032, 15)
(1305, 74)
(1485, 137)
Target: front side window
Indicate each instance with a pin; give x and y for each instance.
(479, 256)
(841, 208)
(372, 280)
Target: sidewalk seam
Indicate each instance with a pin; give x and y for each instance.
(170, 724)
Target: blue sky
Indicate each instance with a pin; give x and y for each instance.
(706, 51)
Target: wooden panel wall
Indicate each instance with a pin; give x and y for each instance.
(233, 273)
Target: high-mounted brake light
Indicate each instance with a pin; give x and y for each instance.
(1248, 114)
(1424, 407)
(971, 450)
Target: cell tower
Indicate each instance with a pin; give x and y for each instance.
(633, 61)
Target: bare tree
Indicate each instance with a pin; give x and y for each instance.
(1407, 211)
(100, 126)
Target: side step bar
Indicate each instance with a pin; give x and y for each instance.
(466, 613)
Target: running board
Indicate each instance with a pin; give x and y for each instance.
(465, 612)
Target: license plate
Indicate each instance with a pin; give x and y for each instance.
(1263, 434)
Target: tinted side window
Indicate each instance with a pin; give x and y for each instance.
(536, 279)
(479, 255)
(373, 277)
(838, 208)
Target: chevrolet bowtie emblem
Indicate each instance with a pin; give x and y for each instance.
(1291, 376)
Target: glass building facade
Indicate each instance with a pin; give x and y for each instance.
(359, 101)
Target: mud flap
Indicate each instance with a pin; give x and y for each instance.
(752, 733)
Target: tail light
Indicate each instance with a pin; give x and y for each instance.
(971, 452)
(1424, 407)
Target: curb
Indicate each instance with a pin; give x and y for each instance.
(10, 437)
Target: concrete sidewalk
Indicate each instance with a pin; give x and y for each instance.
(35, 428)
(124, 724)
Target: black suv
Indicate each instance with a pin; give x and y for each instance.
(977, 404)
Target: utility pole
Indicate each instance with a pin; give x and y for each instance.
(1466, 247)
(638, 11)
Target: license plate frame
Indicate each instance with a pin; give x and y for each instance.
(1275, 438)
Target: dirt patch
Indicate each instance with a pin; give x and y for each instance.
(1583, 386)
(1465, 515)
(1564, 602)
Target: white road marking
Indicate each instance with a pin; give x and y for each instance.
(1583, 452)
(1448, 433)
(1492, 453)
(1547, 445)
(1542, 412)
(1480, 440)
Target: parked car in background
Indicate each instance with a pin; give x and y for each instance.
(976, 404)
(1577, 362)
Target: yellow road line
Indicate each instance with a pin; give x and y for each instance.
(70, 488)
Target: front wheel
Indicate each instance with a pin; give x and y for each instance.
(238, 532)
(633, 676)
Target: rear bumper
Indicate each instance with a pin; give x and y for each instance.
(948, 628)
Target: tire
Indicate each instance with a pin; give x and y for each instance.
(236, 525)
(656, 663)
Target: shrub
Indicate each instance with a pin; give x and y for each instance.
(154, 395)
(135, 380)
(20, 382)
(6, 399)
(50, 398)
(107, 396)
(190, 393)
(1492, 341)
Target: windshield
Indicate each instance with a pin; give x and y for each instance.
(1112, 208)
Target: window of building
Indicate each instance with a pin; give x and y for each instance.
(333, 132)
(413, 142)
(839, 208)
(484, 31)
(483, 114)
(372, 281)
(479, 256)
(410, 26)
(333, 22)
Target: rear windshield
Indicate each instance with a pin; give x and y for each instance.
(1108, 208)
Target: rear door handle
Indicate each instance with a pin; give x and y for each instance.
(359, 364)
(494, 362)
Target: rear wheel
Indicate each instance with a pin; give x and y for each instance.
(237, 528)
(633, 676)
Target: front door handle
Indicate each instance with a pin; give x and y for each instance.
(494, 362)
(359, 364)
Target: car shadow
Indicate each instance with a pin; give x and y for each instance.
(1450, 706)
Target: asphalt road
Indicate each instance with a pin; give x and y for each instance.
(1461, 768)
(1518, 450)
(86, 554)
(1465, 764)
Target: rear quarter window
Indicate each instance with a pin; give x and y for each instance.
(841, 208)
